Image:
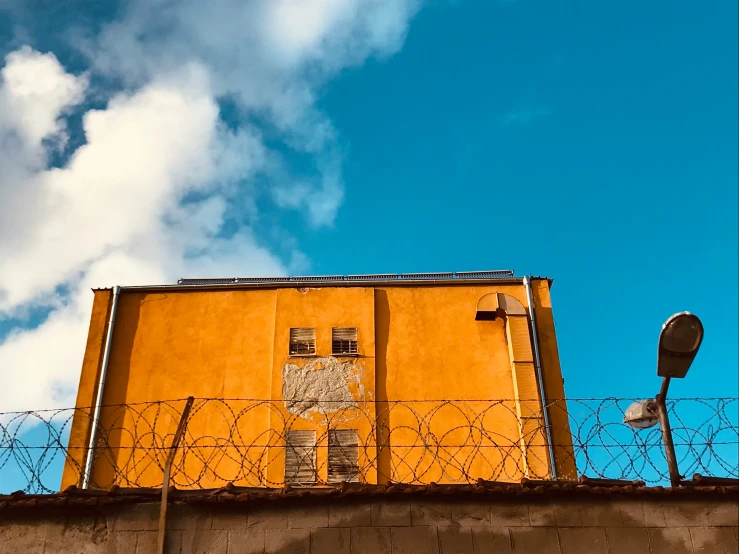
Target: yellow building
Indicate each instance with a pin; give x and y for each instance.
(413, 378)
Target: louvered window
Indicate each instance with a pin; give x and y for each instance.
(302, 341)
(343, 446)
(300, 457)
(344, 341)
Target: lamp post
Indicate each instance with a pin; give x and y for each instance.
(679, 341)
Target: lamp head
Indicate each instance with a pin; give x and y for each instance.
(641, 415)
(679, 342)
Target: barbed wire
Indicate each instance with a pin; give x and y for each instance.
(268, 443)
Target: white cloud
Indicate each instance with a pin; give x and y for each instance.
(143, 153)
(112, 215)
(36, 91)
(524, 117)
(144, 199)
(270, 57)
(270, 54)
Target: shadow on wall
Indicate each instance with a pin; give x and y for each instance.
(382, 332)
(442, 527)
(554, 388)
(317, 526)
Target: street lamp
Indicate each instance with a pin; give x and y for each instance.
(679, 341)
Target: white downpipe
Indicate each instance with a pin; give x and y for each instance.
(540, 376)
(101, 388)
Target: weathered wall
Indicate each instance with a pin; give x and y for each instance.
(323, 308)
(417, 343)
(597, 525)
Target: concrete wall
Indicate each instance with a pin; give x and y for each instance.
(601, 524)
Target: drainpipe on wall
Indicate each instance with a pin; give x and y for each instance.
(101, 388)
(540, 376)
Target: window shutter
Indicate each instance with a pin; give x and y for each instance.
(302, 341)
(343, 446)
(344, 340)
(300, 457)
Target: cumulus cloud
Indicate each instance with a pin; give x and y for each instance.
(270, 57)
(143, 153)
(145, 197)
(35, 92)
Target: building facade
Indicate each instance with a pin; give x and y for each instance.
(318, 380)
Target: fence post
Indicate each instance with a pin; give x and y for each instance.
(167, 469)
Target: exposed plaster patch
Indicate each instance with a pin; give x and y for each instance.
(321, 386)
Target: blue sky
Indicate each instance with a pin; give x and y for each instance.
(594, 143)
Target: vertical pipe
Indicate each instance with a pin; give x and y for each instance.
(664, 424)
(101, 388)
(540, 376)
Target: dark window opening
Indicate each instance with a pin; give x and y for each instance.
(300, 457)
(344, 341)
(302, 341)
(343, 447)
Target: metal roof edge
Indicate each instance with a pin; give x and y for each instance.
(300, 284)
(381, 277)
(501, 277)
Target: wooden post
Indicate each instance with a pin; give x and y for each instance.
(167, 470)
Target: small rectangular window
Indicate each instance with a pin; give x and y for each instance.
(344, 341)
(302, 341)
(300, 457)
(343, 446)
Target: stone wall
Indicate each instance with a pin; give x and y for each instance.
(596, 524)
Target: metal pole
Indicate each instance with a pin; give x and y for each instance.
(540, 378)
(167, 469)
(101, 390)
(664, 423)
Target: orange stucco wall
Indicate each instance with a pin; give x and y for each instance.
(418, 345)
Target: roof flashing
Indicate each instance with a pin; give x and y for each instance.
(499, 276)
(370, 278)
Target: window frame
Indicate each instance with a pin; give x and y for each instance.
(355, 340)
(341, 467)
(302, 452)
(294, 340)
